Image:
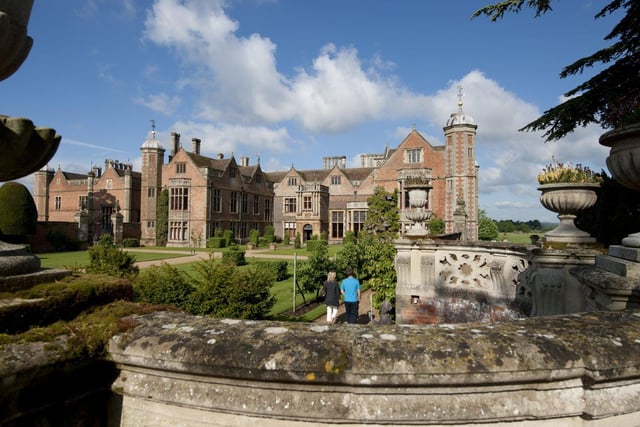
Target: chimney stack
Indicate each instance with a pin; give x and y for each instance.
(220, 156)
(244, 161)
(195, 144)
(175, 144)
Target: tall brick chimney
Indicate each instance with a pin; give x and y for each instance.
(175, 144)
(195, 145)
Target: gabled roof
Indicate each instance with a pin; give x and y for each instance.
(69, 176)
(207, 162)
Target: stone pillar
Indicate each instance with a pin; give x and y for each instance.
(126, 211)
(118, 227)
(82, 219)
(460, 220)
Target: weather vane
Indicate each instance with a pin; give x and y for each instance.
(153, 125)
(460, 94)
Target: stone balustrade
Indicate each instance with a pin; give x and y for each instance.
(572, 370)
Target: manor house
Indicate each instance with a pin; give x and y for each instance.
(207, 194)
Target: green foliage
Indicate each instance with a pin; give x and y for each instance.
(506, 226)
(61, 300)
(436, 225)
(280, 269)
(106, 258)
(298, 242)
(383, 217)
(130, 242)
(60, 241)
(378, 268)
(162, 217)
(215, 242)
(324, 236)
(224, 290)
(487, 228)
(349, 257)
(314, 244)
(163, 285)
(234, 256)
(612, 96)
(269, 233)
(254, 237)
(350, 237)
(313, 272)
(286, 240)
(18, 213)
(227, 235)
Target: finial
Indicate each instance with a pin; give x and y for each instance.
(258, 158)
(414, 126)
(153, 125)
(460, 94)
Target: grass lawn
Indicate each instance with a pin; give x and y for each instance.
(80, 259)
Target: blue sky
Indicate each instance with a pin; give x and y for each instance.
(292, 81)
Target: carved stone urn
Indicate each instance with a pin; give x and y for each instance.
(567, 199)
(15, 44)
(418, 189)
(624, 163)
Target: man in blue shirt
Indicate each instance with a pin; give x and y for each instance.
(350, 289)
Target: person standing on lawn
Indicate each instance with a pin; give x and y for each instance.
(331, 292)
(350, 289)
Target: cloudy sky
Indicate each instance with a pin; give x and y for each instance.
(291, 81)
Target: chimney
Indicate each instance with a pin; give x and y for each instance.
(175, 144)
(220, 156)
(195, 145)
(244, 161)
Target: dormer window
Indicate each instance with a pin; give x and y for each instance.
(413, 155)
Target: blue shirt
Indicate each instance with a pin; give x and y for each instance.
(350, 286)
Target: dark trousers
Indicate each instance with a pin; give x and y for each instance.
(352, 311)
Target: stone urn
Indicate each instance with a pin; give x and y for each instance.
(15, 44)
(624, 163)
(418, 196)
(567, 199)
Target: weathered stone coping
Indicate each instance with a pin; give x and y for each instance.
(582, 367)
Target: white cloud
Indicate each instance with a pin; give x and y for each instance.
(239, 87)
(160, 103)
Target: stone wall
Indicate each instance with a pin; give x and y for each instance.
(574, 370)
(447, 281)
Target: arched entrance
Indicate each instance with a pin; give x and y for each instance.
(307, 232)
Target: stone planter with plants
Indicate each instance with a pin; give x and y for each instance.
(568, 189)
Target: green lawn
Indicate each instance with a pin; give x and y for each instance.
(80, 259)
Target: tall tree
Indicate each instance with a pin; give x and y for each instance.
(611, 97)
(162, 218)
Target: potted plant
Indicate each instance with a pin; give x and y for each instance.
(568, 189)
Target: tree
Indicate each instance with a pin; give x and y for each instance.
(313, 272)
(224, 290)
(18, 213)
(106, 258)
(162, 218)
(487, 228)
(378, 268)
(383, 217)
(610, 98)
(506, 226)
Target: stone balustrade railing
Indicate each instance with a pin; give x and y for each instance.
(572, 370)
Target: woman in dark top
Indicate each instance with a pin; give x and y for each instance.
(331, 291)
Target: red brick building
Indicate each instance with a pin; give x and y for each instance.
(62, 196)
(207, 194)
(333, 199)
